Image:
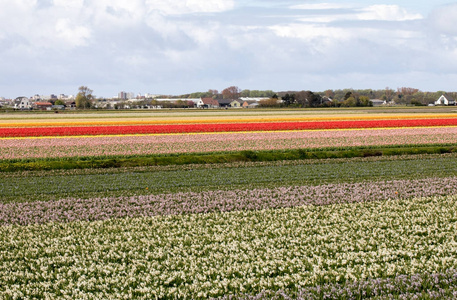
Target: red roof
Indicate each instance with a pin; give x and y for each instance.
(210, 101)
(44, 103)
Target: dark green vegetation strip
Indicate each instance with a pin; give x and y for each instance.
(47, 185)
(223, 157)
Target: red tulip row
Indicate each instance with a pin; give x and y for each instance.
(228, 127)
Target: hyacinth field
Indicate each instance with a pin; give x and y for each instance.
(236, 220)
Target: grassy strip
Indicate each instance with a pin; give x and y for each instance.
(214, 158)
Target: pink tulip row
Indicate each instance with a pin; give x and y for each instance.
(186, 143)
(68, 210)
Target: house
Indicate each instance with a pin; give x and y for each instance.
(229, 103)
(250, 104)
(6, 103)
(70, 104)
(377, 102)
(58, 107)
(445, 100)
(257, 99)
(22, 103)
(207, 103)
(43, 105)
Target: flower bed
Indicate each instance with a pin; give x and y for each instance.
(69, 210)
(191, 143)
(211, 255)
(224, 127)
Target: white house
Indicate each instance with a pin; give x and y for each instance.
(22, 103)
(445, 100)
(207, 103)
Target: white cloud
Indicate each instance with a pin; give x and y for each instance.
(72, 35)
(72, 23)
(387, 13)
(310, 32)
(69, 4)
(351, 13)
(325, 18)
(177, 7)
(204, 35)
(321, 6)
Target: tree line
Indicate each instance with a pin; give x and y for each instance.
(328, 98)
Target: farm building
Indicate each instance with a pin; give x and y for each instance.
(445, 100)
(207, 103)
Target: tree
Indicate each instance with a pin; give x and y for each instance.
(59, 102)
(302, 98)
(348, 95)
(288, 99)
(364, 101)
(406, 94)
(308, 98)
(349, 102)
(232, 92)
(314, 100)
(245, 93)
(389, 94)
(272, 102)
(84, 97)
(329, 94)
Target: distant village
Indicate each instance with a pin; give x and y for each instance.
(233, 97)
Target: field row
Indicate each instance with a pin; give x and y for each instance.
(46, 185)
(101, 208)
(417, 286)
(222, 127)
(219, 142)
(217, 254)
(202, 120)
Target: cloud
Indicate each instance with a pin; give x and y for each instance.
(309, 32)
(73, 23)
(189, 45)
(177, 7)
(387, 13)
(321, 6)
(72, 35)
(68, 4)
(332, 12)
(443, 20)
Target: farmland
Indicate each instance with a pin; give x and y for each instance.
(307, 204)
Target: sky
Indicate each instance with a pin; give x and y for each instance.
(175, 47)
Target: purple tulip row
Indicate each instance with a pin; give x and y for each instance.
(71, 209)
(418, 286)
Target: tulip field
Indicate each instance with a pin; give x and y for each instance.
(101, 205)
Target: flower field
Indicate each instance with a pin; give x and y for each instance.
(211, 142)
(219, 127)
(379, 227)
